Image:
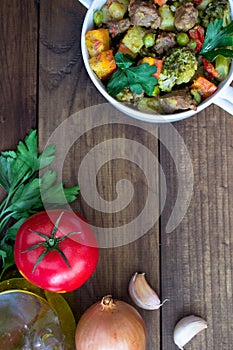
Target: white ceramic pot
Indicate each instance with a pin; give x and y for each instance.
(223, 97)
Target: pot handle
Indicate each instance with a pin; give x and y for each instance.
(86, 3)
(226, 100)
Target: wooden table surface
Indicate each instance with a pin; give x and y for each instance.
(43, 82)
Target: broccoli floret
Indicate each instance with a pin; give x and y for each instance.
(125, 96)
(216, 9)
(128, 97)
(178, 67)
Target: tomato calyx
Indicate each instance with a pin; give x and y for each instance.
(50, 243)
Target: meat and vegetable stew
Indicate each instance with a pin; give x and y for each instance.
(161, 55)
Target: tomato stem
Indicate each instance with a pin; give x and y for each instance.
(50, 243)
(55, 227)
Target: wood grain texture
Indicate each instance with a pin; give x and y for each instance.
(65, 89)
(18, 73)
(196, 258)
(65, 86)
(192, 265)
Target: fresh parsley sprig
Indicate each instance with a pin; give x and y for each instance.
(136, 78)
(217, 40)
(19, 177)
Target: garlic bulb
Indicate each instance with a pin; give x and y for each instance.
(142, 294)
(187, 328)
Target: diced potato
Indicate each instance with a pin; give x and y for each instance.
(133, 39)
(167, 18)
(106, 15)
(97, 41)
(103, 64)
(118, 8)
(149, 60)
(222, 66)
(203, 4)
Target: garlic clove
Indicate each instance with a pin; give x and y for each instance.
(142, 294)
(187, 328)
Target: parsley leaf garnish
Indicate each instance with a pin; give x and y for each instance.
(117, 82)
(19, 177)
(136, 78)
(217, 39)
(123, 61)
(142, 76)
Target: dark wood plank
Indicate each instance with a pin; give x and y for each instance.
(65, 89)
(18, 73)
(64, 84)
(196, 258)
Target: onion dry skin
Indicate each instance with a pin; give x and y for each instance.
(111, 325)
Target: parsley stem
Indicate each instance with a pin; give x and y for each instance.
(2, 204)
(3, 270)
(6, 219)
(29, 175)
(4, 210)
(19, 176)
(5, 204)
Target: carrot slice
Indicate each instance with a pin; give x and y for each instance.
(125, 50)
(206, 87)
(160, 2)
(159, 64)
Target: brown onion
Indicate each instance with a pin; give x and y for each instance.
(111, 325)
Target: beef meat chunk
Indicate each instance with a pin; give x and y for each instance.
(118, 27)
(185, 17)
(164, 42)
(177, 100)
(144, 14)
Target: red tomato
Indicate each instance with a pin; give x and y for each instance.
(198, 34)
(56, 250)
(209, 67)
